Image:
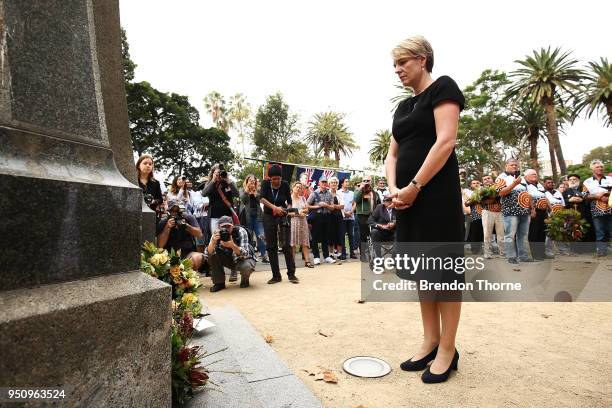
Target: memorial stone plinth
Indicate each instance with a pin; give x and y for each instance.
(76, 311)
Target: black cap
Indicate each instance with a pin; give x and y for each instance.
(275, 170)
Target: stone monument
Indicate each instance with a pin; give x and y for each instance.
(76, 311)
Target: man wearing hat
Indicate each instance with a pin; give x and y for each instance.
(382, 222)
(177, 230)
(229, 248)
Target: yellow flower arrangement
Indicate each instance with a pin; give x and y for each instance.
(189, 298)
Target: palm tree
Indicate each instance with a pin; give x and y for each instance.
(327, 134)
(240, 116)
(598, 92)
(404, 93)
(380, 146)
(545, 78)
(214, 103)
(532, 119)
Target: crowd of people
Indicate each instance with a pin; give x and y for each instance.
(218, 225)
(327, 223)
(513, 224)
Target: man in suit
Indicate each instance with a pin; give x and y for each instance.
(382, 221)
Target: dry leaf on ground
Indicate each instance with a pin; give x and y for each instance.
(360, 301)
(326, 333)
(269, 339)
(330, 377)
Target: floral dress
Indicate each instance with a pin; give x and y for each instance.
(299, 227)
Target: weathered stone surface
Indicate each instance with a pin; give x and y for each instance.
(71, 220)
(52, 69)
(110, 60)
(102, 338)
(69, 212)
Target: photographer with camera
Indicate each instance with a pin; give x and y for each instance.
(366, 200)
(151, 188)
(221, 193)
(276, 197)
(229, 248)
(177, 231)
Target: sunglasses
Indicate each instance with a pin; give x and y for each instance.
(367, 181)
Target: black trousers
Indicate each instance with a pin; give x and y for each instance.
(219, 260)
(379, 236)
(349, 229)
(272, 230)
(537, 235)
(476, 236)
(321, 234)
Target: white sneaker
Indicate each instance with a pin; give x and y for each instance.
(317, 261)
(330, 260)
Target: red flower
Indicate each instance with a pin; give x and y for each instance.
(197, 377)
(184, 354)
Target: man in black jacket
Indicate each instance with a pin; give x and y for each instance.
(382, 221)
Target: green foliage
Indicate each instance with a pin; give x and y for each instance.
(380, 146)
(275, 134)
(598, 92)
(548, 78)
(488, 132)
(215, 104)
(165, 125)
(246, 167)
(128, 64)
(327, 133)
(240, 117)
(404, 93)
(599, 153)
(483, 193)
(566, 225)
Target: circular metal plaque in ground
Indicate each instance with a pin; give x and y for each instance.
(369, 367)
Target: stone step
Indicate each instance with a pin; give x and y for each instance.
(269, 380)
(232, 389)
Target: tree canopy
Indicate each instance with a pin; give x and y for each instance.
(165, 125)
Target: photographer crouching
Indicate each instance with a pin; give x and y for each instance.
(178, 230)
(229, 247)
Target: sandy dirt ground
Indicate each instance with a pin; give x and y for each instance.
(512, 354)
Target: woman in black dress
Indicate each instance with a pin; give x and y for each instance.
(151, 188)
(423, 176)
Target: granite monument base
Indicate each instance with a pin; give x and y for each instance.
(100, 338)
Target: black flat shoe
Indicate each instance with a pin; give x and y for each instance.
(419, 365)
(274, 280)
(429, 378)
(293, 279)
(217, 287)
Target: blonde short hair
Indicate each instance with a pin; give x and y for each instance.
(416, 46)
(333, 178)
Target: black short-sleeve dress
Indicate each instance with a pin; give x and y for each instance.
(436, 215)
